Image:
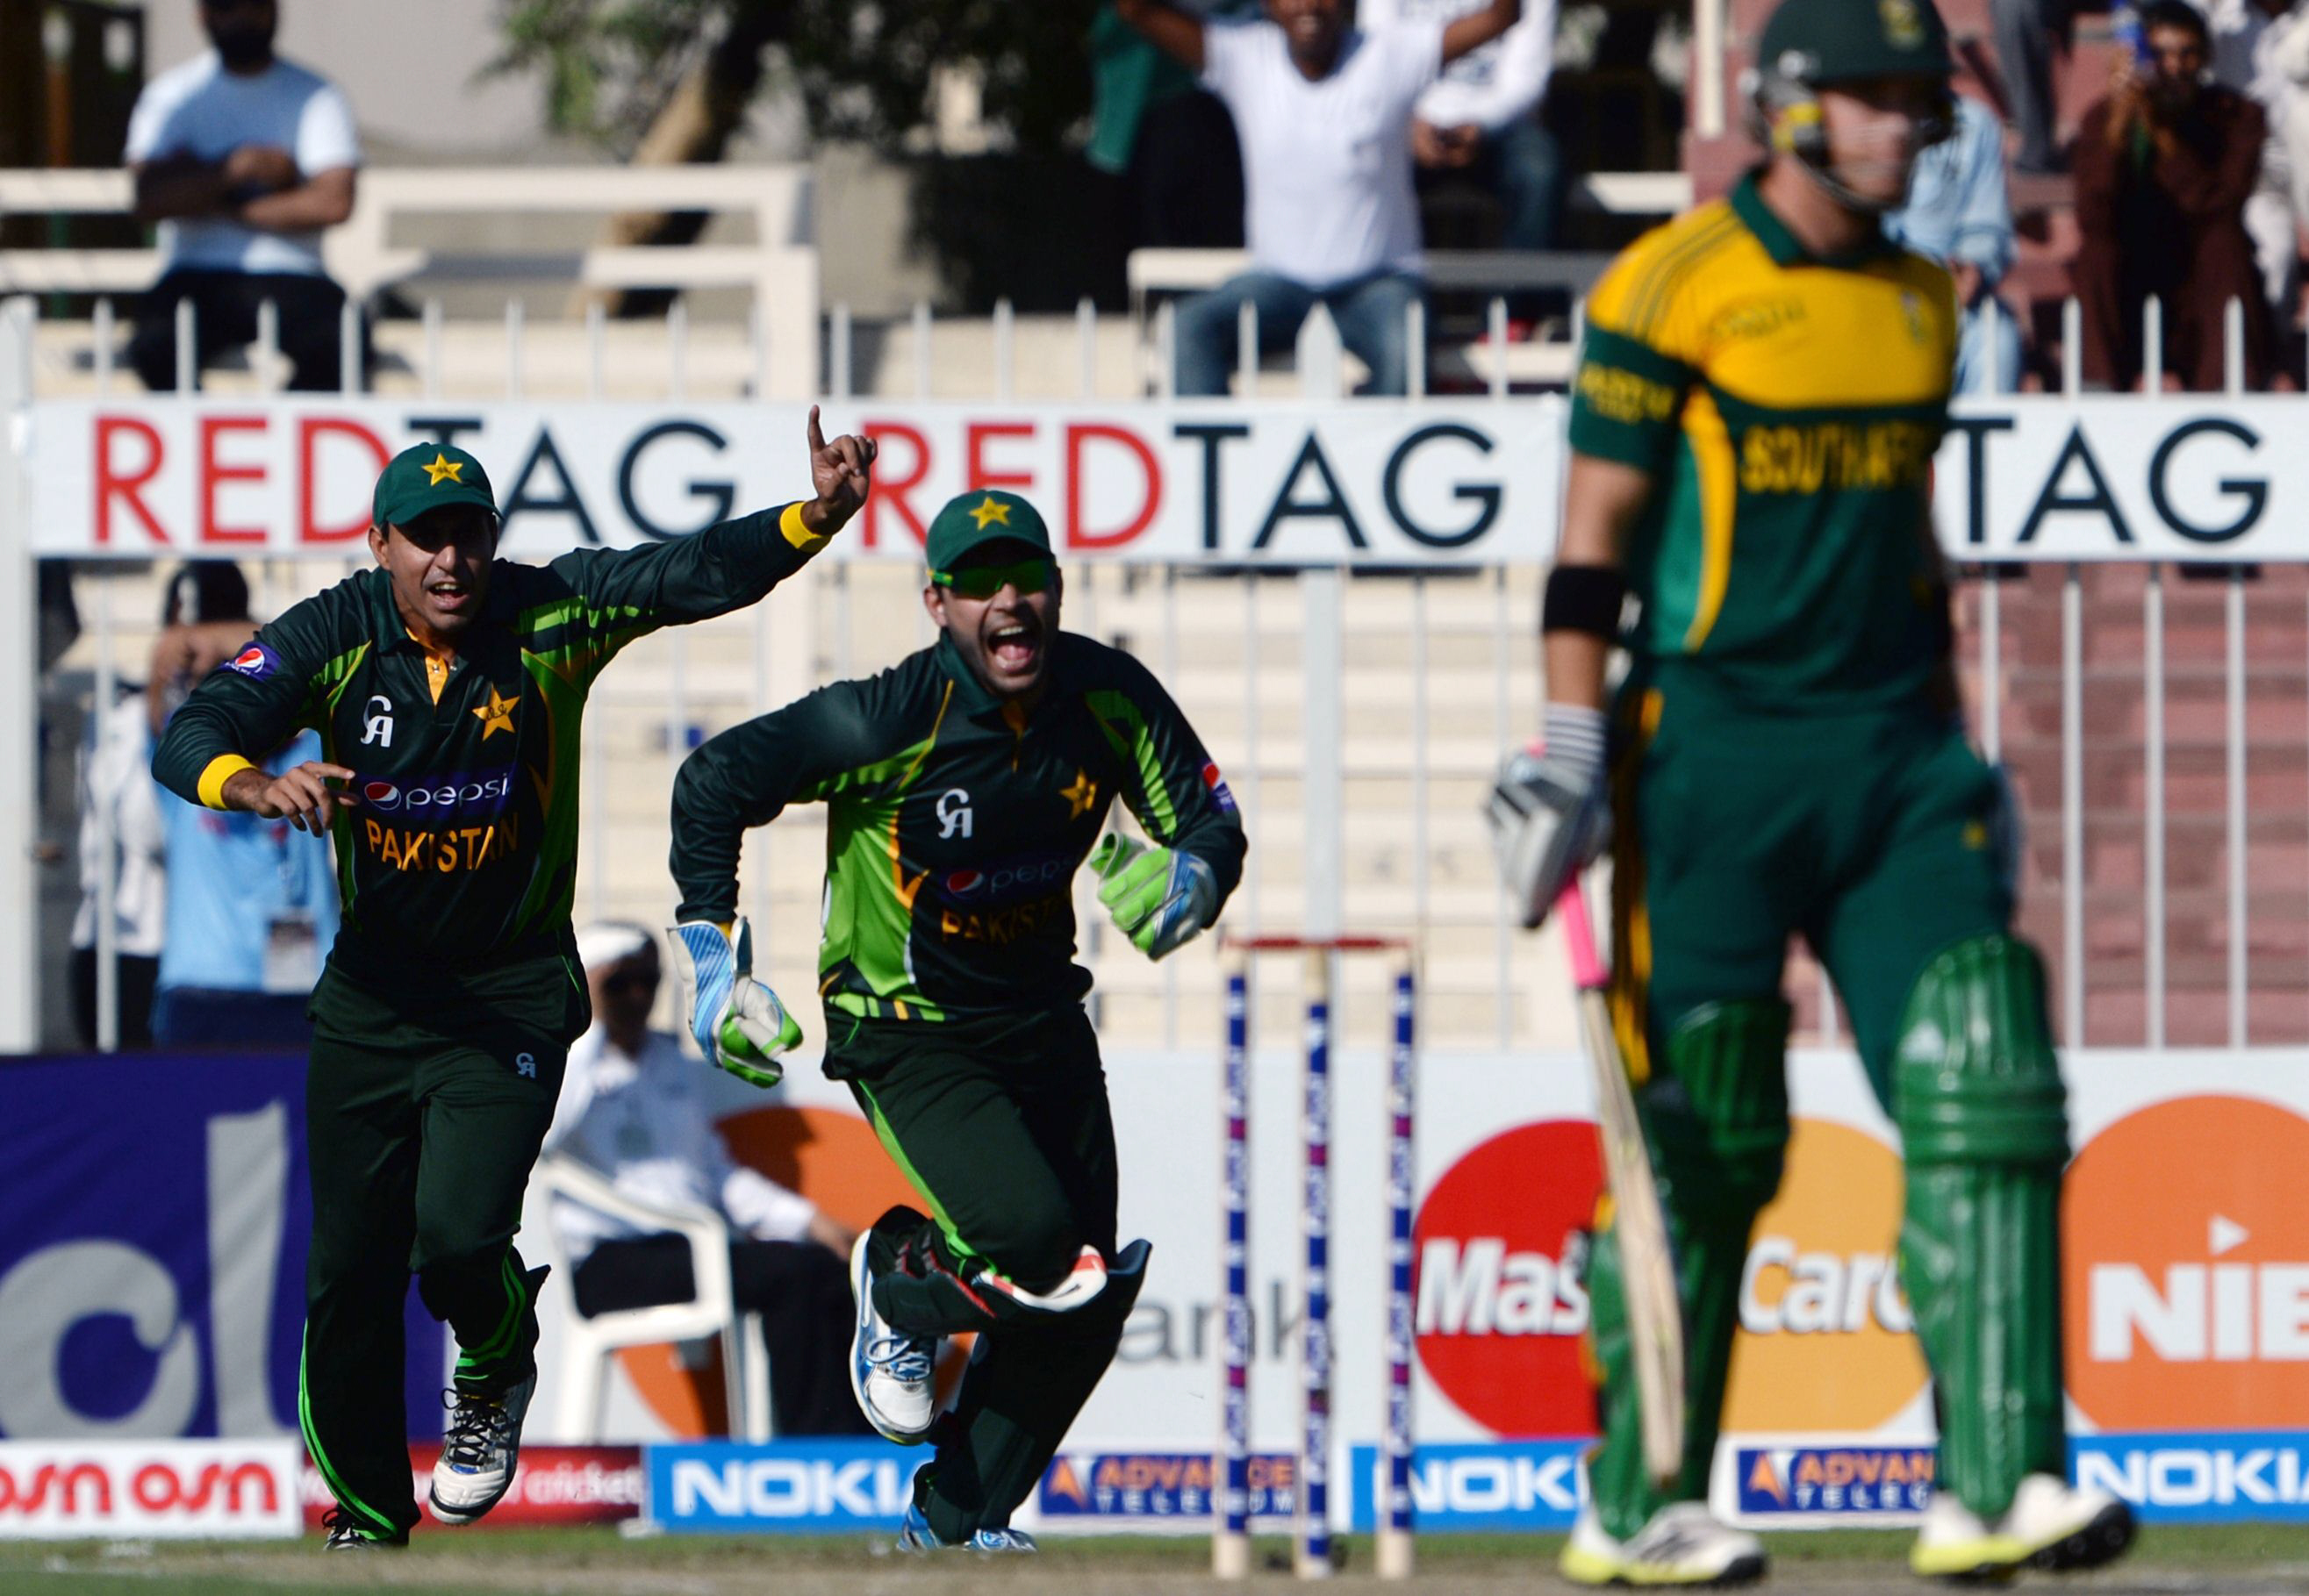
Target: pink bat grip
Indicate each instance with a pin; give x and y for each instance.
(1580, 939)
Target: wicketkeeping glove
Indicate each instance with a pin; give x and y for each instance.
(739, 1022)
(1160, 897)
(1549, 816)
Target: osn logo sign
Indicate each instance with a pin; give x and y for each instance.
(1824, 1341)
(2187, 1269)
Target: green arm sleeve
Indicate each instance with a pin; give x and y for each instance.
(747, 776)
(1171, 783)
(623, 593)
(1627, 401)
(246, 707)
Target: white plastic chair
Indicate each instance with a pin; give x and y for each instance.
(588, 1345)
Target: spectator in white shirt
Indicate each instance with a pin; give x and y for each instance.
(2261, 50)
(1480, 120)
(243, 160)
(633, 1109)
(1323, 111)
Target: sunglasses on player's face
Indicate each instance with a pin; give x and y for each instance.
(983, 582)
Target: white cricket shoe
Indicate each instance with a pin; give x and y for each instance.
(893, 1375)
(1681, 1544)
(915, 1536)
(2051, 1525)
(480, 1453)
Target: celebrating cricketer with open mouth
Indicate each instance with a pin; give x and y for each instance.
(449, 689)
(966, 785)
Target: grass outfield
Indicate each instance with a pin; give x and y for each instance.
(2242, 1558)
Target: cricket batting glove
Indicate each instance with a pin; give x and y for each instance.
(1161, 897)
(739, 1022)
(1549, 815)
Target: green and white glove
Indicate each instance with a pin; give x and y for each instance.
(1161, 897)
(739, 1022)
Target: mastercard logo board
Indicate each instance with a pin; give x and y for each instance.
(1826, 1339)
(2185, 1269)
(1824, 1343)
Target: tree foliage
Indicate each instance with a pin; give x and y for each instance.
(865, 70)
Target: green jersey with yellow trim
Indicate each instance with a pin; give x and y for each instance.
(956, 821)
(461, 844)
(1789, 408)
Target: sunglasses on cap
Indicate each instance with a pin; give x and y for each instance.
(983, 582)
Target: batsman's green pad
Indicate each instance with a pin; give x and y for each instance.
(1025, 1383)
(1983, 1124)
(1716, 1116)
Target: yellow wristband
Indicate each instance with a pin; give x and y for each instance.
(797, 532)
(221, 770)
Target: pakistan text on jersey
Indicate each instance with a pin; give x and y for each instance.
(1003, 926)
(1837, 454)
(449, 849)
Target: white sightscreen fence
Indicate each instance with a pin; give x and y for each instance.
(1342, 595)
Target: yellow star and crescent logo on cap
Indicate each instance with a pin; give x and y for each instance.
(1081, 796)
(989, 509)
(494, 716)
(441, 466)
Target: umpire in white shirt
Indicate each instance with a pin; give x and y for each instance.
(242, 160)
(634, 1107)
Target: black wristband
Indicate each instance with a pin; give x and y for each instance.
(1584, 598)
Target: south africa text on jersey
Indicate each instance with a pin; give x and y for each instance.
(448, 850)
(1835, 454)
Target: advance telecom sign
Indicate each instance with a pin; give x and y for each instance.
(1439, 483)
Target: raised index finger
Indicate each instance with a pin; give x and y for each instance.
(816, 434)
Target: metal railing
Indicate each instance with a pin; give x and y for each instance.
(1356, 712)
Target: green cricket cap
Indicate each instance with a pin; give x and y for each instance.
(1841, 41)
(425, 477)
(987, 516)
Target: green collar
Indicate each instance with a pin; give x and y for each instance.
(1783, 246)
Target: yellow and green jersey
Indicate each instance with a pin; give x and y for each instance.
(1789, 408)
(956, 821)
(460, 847)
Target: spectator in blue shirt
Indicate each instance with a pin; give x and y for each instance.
(1959, 214)
(251, 916)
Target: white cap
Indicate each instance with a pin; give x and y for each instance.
(611, 942)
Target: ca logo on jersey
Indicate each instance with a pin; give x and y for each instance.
(377, 726)
(954, 813)
(525, 1066)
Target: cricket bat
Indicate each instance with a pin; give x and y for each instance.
(1647, 1263)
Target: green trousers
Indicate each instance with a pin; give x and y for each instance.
(1002, 1126)
(1878, 839)
(425, 1107)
